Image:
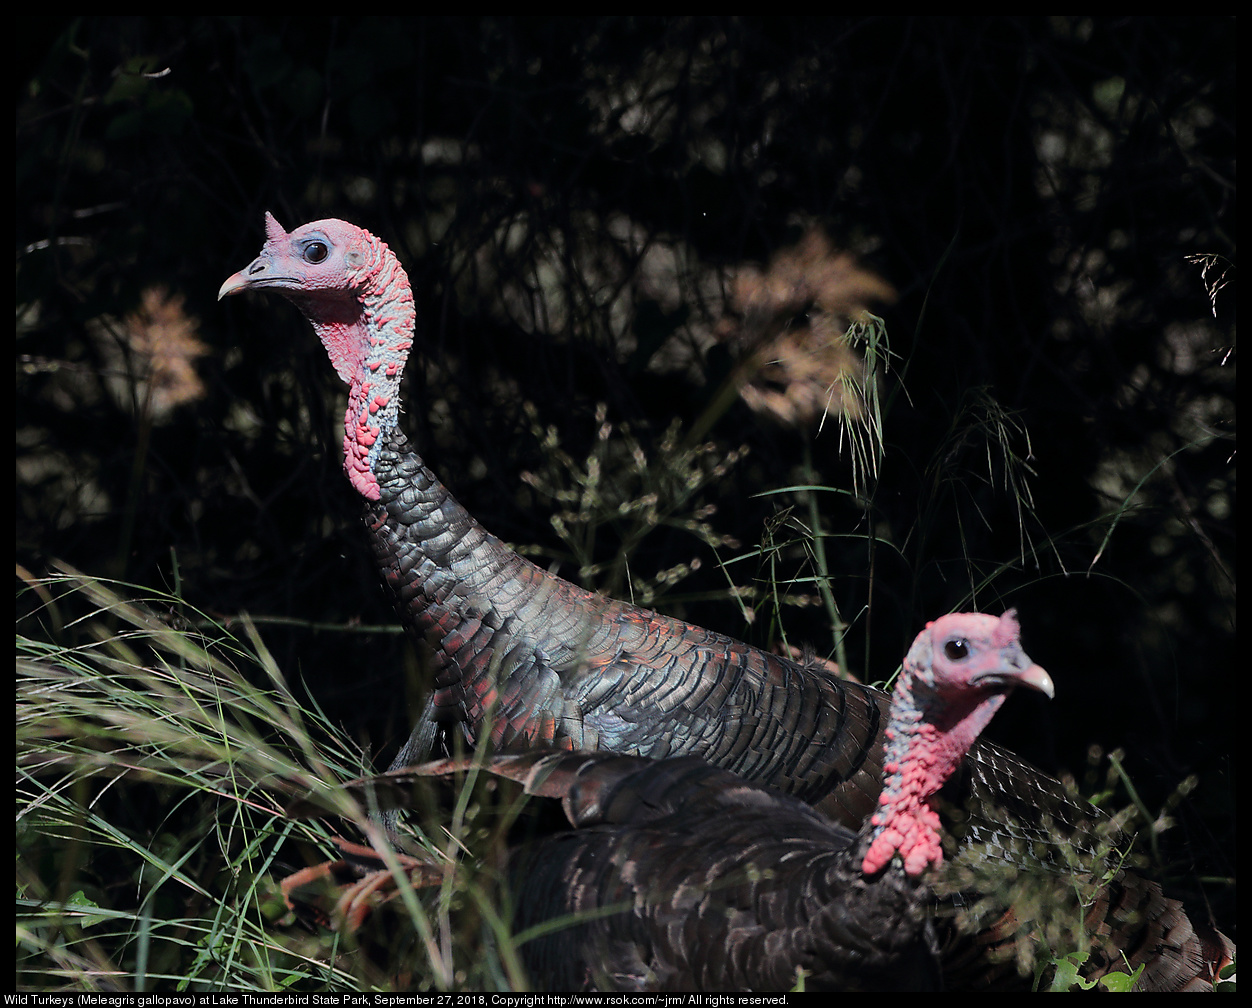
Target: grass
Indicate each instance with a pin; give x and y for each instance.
(154, 764)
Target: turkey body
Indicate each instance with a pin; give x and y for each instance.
(523, 658)
(676, 876)
(726, 886)
(684, 876)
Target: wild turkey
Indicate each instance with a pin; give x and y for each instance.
(732, 886)
(543, 662)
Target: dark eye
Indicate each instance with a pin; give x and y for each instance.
(316, 252)
(957, 649)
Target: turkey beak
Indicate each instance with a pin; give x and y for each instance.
(256, 272)
(1018, 670)
(233, 285)
(1037, 679)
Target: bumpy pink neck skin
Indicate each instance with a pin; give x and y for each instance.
(925, 742)
(368, 334)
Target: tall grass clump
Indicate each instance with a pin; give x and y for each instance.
(154, 762)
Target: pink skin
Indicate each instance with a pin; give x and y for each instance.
(352, 289)
(956, 675)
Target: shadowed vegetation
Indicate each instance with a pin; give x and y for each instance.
(806, 330)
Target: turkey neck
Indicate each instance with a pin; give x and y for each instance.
(926, 739)
(368, 337)
(447, 573)
(441, 566)
(455, 585)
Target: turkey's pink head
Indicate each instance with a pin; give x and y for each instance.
(956, 675)
(964, 656)
(325, 259)
(353, 290)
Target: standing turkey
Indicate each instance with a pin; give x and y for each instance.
(543, 662)
(729, 886)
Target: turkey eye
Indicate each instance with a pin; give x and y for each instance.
(956, 650)
(316, 252)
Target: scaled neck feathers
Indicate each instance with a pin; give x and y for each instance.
(921, 754)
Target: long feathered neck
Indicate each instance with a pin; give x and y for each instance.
(368, 332)
(926, 737)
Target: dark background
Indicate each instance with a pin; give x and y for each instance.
(572, 198)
